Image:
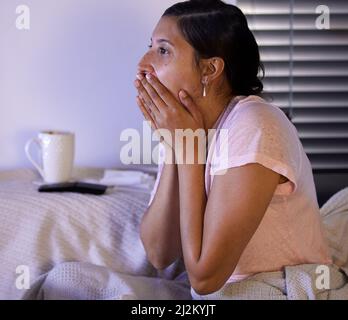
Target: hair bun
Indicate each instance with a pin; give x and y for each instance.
(207, 1)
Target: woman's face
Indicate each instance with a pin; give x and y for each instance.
(171, 59)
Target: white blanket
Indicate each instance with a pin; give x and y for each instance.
(42, 230)
(85, 281)
(308, 281)
(88, 247)
(335, 218)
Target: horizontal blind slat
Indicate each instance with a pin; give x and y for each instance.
(257, 7)
(304, 53)
(303, 38)
(307, 69)
(269, 22)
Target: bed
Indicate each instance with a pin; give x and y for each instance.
(73, 237)
(42, 230)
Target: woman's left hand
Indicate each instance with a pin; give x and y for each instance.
(165, 110)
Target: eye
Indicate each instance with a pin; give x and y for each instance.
(162, 51)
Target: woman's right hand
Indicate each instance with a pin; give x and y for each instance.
(148, 117)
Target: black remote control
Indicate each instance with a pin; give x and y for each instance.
(79, 187)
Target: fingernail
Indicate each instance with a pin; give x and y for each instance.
(140, 76)
(183, 93)
(148, 76)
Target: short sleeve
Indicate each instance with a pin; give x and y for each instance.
(259, 133)
(161, 158)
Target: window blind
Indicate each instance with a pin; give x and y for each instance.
(306, 71)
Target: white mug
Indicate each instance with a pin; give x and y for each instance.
(57, 154)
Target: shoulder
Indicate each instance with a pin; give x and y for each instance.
(255, 112)
(259, 132)
(255, 108)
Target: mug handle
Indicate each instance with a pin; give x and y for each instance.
(27, 152)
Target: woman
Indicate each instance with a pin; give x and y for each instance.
(255, 208)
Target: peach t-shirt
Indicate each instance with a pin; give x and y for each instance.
(290, 232)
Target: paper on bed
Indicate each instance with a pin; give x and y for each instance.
(125, 178)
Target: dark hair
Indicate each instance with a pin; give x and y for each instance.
(216, 29)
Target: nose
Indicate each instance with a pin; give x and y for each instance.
(145, 65)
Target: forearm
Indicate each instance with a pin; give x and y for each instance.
(192, 207)
(160, 226)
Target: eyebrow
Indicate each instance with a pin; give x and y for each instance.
(164, 40)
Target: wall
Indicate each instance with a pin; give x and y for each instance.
(73, 70)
